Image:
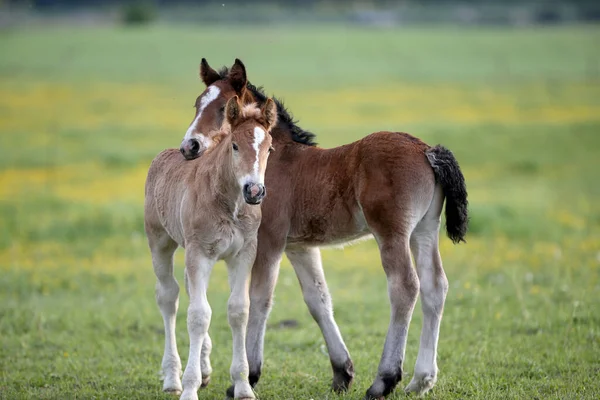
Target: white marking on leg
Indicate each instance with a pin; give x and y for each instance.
(198, 269)
(205, 366)
(167, 297)
(264, 278)
(238, 307)
(309, 270)
(403, 290)
(434, 286)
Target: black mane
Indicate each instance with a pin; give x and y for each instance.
(298, 134)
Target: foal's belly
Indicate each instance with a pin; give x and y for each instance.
(329, 231)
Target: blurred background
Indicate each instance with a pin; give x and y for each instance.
(91, 91)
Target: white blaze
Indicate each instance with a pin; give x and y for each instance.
(254, 176)
(209, 97)
(259, 136)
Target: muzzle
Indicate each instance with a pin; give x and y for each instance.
(191, 148)
(254, 193)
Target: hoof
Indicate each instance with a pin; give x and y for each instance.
(421, 384)
(205, 382)
(172, 388)
(171, 381)
(369, 396)
(383, 385)
(173, 391)
(247, 393)
(253, 378)
(343, 377)
(230, 392)
(189, 395)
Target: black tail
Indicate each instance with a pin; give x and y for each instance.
(449, 176)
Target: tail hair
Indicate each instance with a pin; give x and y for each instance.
(450, 177)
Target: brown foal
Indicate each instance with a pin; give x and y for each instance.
(390, 185)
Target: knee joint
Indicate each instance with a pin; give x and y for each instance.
(199, 318)
(166, 294)
(237, 313)
(409, 285)
(263, 304)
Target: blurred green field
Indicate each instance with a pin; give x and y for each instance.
(84, 110)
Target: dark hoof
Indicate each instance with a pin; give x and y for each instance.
(253, 378)
(343, 377)
(383, 386)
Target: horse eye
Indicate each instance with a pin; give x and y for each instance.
(271, 149)
(235, 146)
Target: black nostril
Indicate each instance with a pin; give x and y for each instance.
(247, 189)
(181, 150)
(263, 191)
(195, 147)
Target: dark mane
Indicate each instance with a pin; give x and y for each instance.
(298, 134)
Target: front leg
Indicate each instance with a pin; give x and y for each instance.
(205, 365)
(239, 268)
(262, 285)
(197, 270)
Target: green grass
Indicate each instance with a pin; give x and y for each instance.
(83, 111)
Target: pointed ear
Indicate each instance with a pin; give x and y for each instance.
(269, 112)
(237, 77)
(232, 110)
(207, 74)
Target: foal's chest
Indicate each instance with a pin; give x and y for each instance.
(227, 240)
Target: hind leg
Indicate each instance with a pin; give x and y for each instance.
(162, 248)
(309, 270)
(434, 286)
(403, 289)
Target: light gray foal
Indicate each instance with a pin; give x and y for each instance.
(209, 207)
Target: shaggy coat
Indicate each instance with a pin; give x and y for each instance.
(209, 207)
(389, 185)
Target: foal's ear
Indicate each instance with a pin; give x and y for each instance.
(269, 112)
(232, 110)
(237, 77)
(207, 74)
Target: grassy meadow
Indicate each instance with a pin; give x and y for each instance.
(84, 110)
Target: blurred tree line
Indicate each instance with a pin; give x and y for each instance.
(368, 12)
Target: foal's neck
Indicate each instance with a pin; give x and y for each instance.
(224, 186)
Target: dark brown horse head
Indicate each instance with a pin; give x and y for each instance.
(210, 106)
